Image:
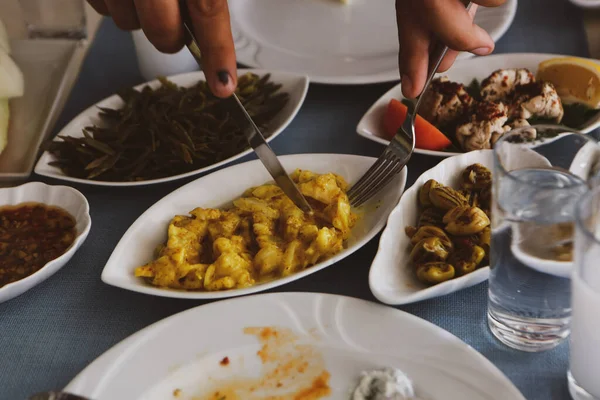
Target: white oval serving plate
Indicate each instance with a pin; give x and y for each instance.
(137, 246)
(333, 43)
(295, 85)
(64, 197)
(391, 279)
(586, 3)
(463, 71)
(340, 335)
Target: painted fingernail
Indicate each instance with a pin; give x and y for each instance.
(406, 83)
(223, 76)
(481, 51)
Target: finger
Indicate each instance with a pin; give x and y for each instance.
(453, 25)
(213, 32)
(99, 6)
(490, 3)
(451, 55)
(448, 60)
(123, 13)
(414, 44)
(161, 22)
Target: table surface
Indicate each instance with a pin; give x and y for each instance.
(53, 331)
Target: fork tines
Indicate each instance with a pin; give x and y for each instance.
(378, 176)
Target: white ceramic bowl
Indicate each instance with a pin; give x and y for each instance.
(295, 85)
(391, 279)
(64, 197)
(137, 246)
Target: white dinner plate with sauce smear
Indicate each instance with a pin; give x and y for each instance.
(332, 42)
(137, 245)
(392, 279)
(203, 350)
(463, 71)
(295, 85)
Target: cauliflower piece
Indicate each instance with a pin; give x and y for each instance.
(266, 192)
(326, 243)
(444, 102)
(229, 271)
(340, 215)
(268, 259)
(536, 99)
(323, 188)
(225, 226)
(486, 120)
(501, 83)
(529, 134)
(234, 245)
(185, 234)
(302, 176)
(253, 205)
(293, 259)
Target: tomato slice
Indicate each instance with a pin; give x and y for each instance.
(427, 136)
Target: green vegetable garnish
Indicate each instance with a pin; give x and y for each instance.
(474, 90)
(577, 115)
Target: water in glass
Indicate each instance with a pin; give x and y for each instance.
(536, 186)
(527, 306)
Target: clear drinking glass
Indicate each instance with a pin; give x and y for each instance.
(540, 172)
(57, 19)
(584, 375)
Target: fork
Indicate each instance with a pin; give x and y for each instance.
(397, 154)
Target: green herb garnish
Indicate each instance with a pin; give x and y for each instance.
(474, 90)
(578, 115)
(165, 131)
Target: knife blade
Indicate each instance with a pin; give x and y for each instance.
(56, 396)
(253, 134)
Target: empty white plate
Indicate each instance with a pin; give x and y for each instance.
(391, 278)
(295, 85)
(463, 71)
(331, 42)
(137, 246)
(193, 354)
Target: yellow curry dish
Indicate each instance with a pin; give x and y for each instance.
(261, 237)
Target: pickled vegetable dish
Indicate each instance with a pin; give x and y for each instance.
(166, 131)
(31, 235)
(452, 236)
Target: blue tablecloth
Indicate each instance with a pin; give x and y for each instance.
(55, 330)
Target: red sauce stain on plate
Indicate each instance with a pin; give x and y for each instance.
(292, 369)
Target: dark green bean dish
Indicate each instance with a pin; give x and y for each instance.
(452, 236)
(165, 131)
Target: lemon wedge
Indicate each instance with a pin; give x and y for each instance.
(576, 80)
(11, 78)
(4, 119)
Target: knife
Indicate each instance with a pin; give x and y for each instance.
(56, 396)
(255, 137)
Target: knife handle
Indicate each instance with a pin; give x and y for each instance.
(188, 32)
